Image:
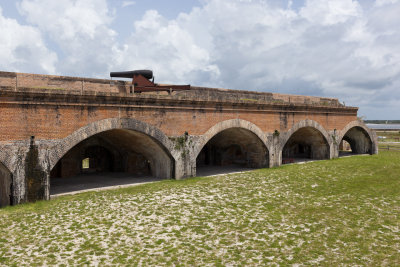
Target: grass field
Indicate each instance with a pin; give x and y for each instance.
(339, 212)
(388, 146)
(391, 136)
(391, 140)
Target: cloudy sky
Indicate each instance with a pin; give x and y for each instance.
(340, 48)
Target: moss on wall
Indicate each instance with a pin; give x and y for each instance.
(35, 176)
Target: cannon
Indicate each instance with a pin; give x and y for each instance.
(141, 81)
(148, 74)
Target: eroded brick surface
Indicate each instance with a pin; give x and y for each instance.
(60, 112)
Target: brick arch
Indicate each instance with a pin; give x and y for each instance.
(357, 123)
(224, 125)
(64, 145)
(284, 138)
(302, 124)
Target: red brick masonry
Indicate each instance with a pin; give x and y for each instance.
(59, 112)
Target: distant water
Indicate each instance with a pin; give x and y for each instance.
(384, 126)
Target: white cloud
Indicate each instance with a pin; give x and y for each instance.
(339, 48)
(128, 3)
(331, 48)
(66, 19)
(168, 49)
(380, 3)
(23, 48)
(80, 28)
(330, 12)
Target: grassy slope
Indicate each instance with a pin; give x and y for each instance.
(343, 211)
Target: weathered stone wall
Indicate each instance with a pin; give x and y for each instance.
(35, 175)
(170, 130)
(5, 186)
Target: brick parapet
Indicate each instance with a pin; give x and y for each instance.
(52, 112)
(96, 98)
(65, 85)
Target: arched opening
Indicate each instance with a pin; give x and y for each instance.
(5, 186)
(355, 141)
(305, 144)
(232, 149)
(113, 157)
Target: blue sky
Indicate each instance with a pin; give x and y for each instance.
(339, 48)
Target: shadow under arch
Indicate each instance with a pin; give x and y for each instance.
(121, 145)
(65, 144)
(233, 142)
(360, 138)
(307, 139)
(6, 194)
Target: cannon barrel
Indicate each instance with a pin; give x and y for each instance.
(148, 74)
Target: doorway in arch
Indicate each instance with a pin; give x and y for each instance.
(305, 144)
(234, 149)
(110, 158)
(355, 141)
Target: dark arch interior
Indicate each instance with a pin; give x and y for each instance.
(355, 141)
(232, 149)
(304, 144)
(111, 157)
(5, 186)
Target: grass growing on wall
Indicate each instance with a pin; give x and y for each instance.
(343, 211)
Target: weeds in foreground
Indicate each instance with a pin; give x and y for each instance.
(342, 211)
